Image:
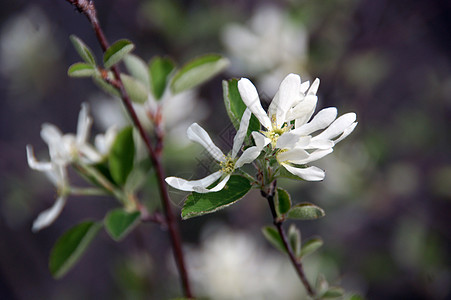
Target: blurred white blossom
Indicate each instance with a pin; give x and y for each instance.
(235, 265)
(177, 112)
(28, 50)
(63, 150)
(268, 47)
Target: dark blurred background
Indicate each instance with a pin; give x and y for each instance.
(387, 190)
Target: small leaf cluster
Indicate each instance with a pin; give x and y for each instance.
(154, 78)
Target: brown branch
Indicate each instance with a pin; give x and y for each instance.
(297, 264)
(87, 8)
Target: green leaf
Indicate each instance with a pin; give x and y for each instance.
(198, 204)
(135, 89)
(121, 156)
(198, 71)
(273, 236)
(160, 68)
(356, 297)
(333, 292)
(138, 176)
(71, 246)
(116, 52)
(311, 246)
(305, 211)
(294, 236)
(83, 50)
(119, 223)
(81, 70)
(137, 68)
(235, 106)
(283, 202)
(108, 88)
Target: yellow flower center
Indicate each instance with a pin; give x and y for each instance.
(228, 165)
(275, 132)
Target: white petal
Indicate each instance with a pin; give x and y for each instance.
(314, 87)
(189, 185)
(84, 125)
(287, 140)
(303, 111)
(304, 86)
(309, 174)
(103, 142)
(315, 155)
(36, 165)
(51, 134)
(346, 132)
(198, 134)
(289, 92)
(250, 97)
(303, 142)
(320, 121)
(241, 133)
(216, 188)
(260, 140)
(89, 154)
(48, 216)
(248, 156)
(58, 176)
(293, 155)
(320, 144)
(337, 127)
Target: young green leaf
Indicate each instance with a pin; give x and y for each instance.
(311, 246)
(294, 236)
(273, 236)
(333, 292)
(305, 211)
(198, 71)
(108, 88)
(83, 50)
(122, 155)
(283, 202)
(135, 89)
(81, 70)
(198, 204)
(160, 68)
(137, 68)
(116, 52)
(71, 246)
(118, 223)
(235, 106)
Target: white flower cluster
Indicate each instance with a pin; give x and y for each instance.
(220, 271)
(269, 46)
(287, 130)
(63, 150)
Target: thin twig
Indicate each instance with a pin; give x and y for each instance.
(88, 9)
(278, 223)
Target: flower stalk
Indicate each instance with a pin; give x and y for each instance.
(297, 264)
(87, 8)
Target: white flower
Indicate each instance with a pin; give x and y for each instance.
(271, 44)
(236, 265)
(227, 163)
(63, 150)
(295, 103)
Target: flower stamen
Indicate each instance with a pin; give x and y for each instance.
(228, 165)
